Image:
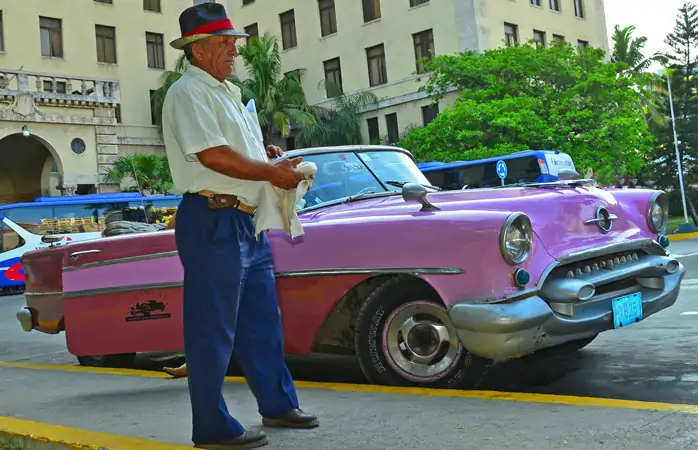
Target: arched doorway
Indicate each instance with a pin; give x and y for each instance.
(29, 168)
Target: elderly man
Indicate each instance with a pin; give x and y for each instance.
(220, 164)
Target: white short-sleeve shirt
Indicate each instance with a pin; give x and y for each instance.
(200, 112)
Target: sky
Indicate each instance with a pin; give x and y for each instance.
(652, 18)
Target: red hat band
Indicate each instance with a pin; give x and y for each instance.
(218, 25)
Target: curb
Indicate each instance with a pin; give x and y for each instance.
(42, 436)
(682, 236)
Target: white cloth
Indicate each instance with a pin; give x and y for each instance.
(277, 207)
(201, 112)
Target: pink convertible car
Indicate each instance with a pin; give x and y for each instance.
(427, 288)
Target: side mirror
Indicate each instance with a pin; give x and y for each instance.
(413, 192)
(568, 174)
(50, 239)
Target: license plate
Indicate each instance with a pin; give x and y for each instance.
(627, 310)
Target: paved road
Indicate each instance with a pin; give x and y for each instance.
(654, 360)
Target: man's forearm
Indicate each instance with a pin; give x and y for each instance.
(227, 161)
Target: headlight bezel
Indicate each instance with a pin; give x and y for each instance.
(522, 222)
(661, 200)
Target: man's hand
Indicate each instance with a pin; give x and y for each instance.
(284, 174)
(274, 152)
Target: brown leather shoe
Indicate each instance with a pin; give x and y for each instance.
(176, 372)
(295, 418)
(250, 439)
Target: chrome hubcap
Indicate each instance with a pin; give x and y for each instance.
(420, 342)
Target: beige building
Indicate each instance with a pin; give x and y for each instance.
(76, 75)
(373, 44)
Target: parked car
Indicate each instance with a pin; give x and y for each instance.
(427, 288)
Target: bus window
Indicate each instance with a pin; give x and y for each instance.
(77, 218)
(36, 220)
(9, 239)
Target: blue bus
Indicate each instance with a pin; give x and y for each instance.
(75, 218)
(529, 166)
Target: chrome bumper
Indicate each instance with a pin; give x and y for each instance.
(504, 331)
(24, 316)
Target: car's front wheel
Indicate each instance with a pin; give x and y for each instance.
(124, 361)
(404, 337)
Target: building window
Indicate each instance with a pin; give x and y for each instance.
(328, 17)
(290, 143)
(333, 77)
(106, 44)
(247, 2)
(373, 131)
(582, 44)
(2, 34)
(558, 37)
(155, 48)
(51, 31)
(414, 3)
(372, 10)
(539, 37)
(535, 3)
(423, 48)
(393, 130)
(377, 71)
(107, 2)
(511, 34)
(555, 5)
(60, 86)
(429, 113)
(579, 8)
(253, 31)
(152, 5)
(288, 29)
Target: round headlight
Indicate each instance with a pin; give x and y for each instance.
(658, 213)
(516, 238)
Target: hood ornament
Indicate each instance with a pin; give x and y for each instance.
(603, 219)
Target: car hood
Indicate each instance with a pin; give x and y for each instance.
(558, 214)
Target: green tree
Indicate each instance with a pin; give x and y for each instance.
(150, 173)
(631, 62)
(339, 124)
(279, 97)
(523, 97)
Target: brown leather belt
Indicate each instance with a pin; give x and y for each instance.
(220, 201)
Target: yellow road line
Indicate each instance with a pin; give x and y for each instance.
(682, 236)
(367, 388)
(38, 433)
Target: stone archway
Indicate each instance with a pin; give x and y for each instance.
(29, 168)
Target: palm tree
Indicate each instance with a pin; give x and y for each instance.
(279, 97)
(628, 55)
(341, 123)
(150, 172)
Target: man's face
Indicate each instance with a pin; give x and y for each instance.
(216, 55)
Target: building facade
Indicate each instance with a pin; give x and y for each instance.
(375, 44)
(75, 84)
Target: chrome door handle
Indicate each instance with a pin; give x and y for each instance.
(74, 256)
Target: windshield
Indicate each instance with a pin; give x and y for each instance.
(343, 174)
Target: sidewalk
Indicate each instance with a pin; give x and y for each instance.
(157, 409)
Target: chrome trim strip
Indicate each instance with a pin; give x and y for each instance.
(126, 259)
(379, 271)
(42, 294)
(121, 289)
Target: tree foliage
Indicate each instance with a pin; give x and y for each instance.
(340, 123)
(527, 97)
(149, 173)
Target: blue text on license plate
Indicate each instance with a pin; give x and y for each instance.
(627, 310)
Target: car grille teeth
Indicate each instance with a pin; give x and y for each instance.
(608, 263)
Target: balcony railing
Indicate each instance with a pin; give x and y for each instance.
(59, 90)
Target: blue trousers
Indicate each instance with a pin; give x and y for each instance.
(230, 307)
